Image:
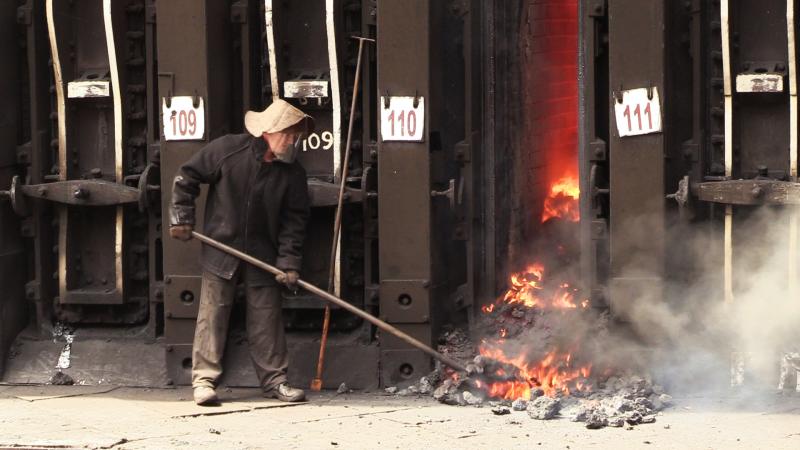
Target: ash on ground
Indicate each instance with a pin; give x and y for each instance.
(614, 401)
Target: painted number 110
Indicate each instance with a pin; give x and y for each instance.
(405, 123)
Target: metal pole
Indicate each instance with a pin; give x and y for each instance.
(316, 383)
(446, 360)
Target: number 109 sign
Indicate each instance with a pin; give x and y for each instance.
(401, 120)
(181, 120)
(638, 113)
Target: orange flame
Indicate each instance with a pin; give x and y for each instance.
(562, 200)
(527, 289)
(553, 373)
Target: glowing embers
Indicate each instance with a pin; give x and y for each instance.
(528, 289)
(517, 377)
(518, 356)
(562, 200)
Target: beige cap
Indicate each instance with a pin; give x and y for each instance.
(278, 116)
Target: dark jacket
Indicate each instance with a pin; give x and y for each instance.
(257, 207)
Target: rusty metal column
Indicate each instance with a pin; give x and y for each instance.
(192, 61)
(404, 192)
(12, 251)
(636, 60)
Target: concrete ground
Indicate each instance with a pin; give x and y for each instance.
(105, 417)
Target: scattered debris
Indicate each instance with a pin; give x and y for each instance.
(544, 408)
(343, 389)
(471, 398)
(214, 431)
(519, 404)
(61, 379)
(596, 420)
(391, 390)
(67, 334)
(500, 411)
(611, 402)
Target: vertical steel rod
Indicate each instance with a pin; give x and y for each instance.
(316, 383)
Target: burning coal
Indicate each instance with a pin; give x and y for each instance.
(547, 362)
(562, 200)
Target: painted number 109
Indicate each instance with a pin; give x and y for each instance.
(184, 123)
(405, 123)
(315, 141)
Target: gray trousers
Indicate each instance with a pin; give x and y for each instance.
(265, 335)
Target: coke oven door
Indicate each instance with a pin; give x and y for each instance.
(12, 251)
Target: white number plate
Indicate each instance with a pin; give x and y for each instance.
(182, 121)
(402, 121)
(639, 113)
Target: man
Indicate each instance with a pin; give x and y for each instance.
(258, 203)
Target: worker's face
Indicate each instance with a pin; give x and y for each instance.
(284, 145)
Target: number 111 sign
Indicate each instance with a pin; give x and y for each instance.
(638, 113)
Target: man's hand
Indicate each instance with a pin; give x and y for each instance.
(182, 232)
(288, 279)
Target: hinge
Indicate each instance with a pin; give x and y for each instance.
(33, 290)
(24, 15)
(150, 13)
(597, 9)
(24, 154)
(239, 12)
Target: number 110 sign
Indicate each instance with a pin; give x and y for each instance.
(638, 113)
(401, 119)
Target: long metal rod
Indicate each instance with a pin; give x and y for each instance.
(316, 383)
(444, 359)
(737, 357)
(728, 94)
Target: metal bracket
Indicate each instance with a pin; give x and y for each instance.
(749, 192)
(148, 187)
(168, 96)
(327, 194)
(71, 192)
(449, 193)
(18, 201)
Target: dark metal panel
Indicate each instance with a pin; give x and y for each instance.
(405, 301)
(404, 174)
(182, 296)
(193, 59)
(761, 121)
(636, 33)
(405, 219)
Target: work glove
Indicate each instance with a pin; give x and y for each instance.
(288, 279)
(182, 232)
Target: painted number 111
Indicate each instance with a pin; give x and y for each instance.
(637, 112)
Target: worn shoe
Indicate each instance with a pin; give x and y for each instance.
(205, 396)
(286, 393)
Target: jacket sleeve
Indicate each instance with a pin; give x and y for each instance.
(202, 168)
(295, 211)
